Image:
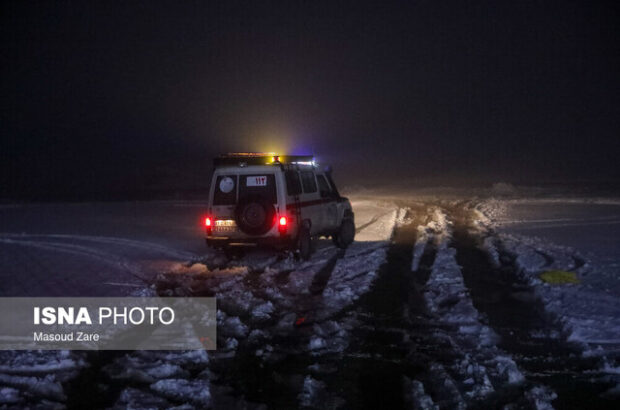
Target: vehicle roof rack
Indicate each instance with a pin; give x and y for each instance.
(242, 159)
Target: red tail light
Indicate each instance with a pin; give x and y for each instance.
(208, 224)
(282, 224)
(208, 221)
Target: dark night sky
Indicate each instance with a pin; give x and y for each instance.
(115, 99)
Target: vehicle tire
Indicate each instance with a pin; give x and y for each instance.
(304, 244)
(345, 235)
(255, 215)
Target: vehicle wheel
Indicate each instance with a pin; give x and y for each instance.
(345, 235)
(304, 244)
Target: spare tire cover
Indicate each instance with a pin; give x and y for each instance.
(255, 215)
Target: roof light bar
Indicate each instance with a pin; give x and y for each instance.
(255, 158)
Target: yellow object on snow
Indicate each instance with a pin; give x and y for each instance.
(559, 277)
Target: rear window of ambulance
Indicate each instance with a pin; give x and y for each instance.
(263, 185)
(225, 190)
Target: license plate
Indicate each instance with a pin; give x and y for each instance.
(225, 225)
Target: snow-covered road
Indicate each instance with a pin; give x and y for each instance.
(437, 304)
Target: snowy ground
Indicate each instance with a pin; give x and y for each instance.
(438, 304)
(94, 249)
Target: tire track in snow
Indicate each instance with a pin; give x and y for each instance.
(526, 331)
(372, 221)
(376, 357)
(482, 373)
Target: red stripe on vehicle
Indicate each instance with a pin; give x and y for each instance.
(309, 203)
